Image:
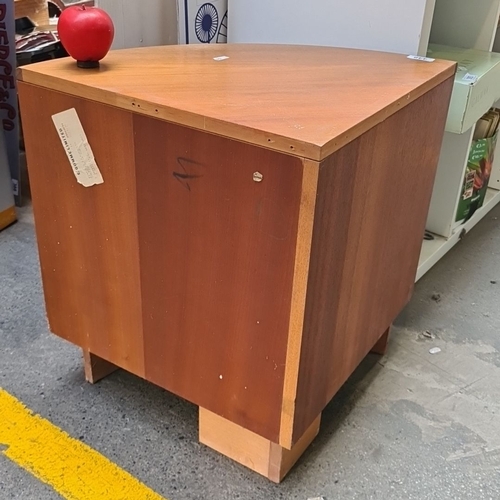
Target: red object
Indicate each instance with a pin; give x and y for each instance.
(86, 33)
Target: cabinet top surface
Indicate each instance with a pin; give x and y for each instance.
(304, 100)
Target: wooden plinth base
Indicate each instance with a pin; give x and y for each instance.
(251, 450)
(241, 445)
(96, 368)
(381, 346)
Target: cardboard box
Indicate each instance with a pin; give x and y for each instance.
(477, 176)
(476, 88)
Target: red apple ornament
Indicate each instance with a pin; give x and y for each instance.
(86, 33)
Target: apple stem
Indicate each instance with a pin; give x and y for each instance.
(83, 7)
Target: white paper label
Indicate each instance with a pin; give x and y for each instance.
(77, 148)
(422, 58)
(470, 78)
(221, 58)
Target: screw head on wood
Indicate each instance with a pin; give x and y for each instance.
(257, 177)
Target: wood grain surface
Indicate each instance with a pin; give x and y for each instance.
(283, 459)
(234, 441)
(380, 346)
(7, 217)
(206, 316)
(373, 198)
(248, 281)
(217, 253)
(36, 10)
(303, 100)
(299, 295)
(87, 237)
(95, 367)
(251, 450)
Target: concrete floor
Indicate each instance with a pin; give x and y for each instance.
(410, 425)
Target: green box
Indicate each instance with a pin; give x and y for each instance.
(477, 176)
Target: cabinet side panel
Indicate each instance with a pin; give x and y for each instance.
(373, 198)
(87, 237)
(217, 256)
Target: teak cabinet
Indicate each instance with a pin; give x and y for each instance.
(257, 231)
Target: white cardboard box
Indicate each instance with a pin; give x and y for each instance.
(476, 88)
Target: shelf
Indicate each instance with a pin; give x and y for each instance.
(476, 87)
(434, 250)
(465, 23)
(448, 183)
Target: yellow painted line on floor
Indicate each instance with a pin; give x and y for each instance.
(73, 469)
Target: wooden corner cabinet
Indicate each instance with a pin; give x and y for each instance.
(258, 226)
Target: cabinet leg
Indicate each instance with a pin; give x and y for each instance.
(96, 368)
(381, 346)
(251, 450)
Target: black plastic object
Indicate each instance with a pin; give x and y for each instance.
(24, 25)
(38, 46)
(87, 64)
